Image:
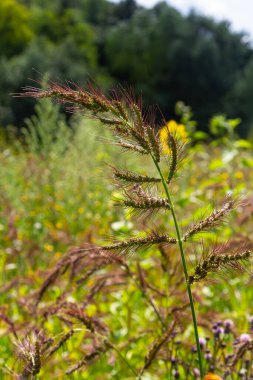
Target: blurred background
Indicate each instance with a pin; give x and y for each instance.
(195, 51)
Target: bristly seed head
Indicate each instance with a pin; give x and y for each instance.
(126, 246)
(29, 350)
(131, 177)
(174, 156)
(154, 143)
(215, 262)
(211, 220)
(143, 201)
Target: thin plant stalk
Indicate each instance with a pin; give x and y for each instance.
(137, 376)
(181, 248)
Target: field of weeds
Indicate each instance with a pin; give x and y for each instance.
(69, 311)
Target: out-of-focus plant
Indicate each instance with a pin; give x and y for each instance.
(224, 131)
(46, 132)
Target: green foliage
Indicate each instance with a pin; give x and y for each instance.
(166, 55)
(240, 98)
(54, 60)
(224, 128)
(172, 57)
(46, 132)
(15, 30)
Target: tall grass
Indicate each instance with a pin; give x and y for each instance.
(90, 311)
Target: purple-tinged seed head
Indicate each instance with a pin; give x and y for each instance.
(208, 356)
(218, 331)
(173, 360)
(196, 372)
(202, 342)
(229, 325)
(243, 338)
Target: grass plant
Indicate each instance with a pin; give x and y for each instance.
(136, 132)
(74, 302)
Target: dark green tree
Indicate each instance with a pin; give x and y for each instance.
(125, 9)
(171, 57)
(240, 99)
(164, 54)
(15, 31)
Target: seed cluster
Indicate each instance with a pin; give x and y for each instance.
(215, 262)
(131, 177)
(210, 221)
(138, 243)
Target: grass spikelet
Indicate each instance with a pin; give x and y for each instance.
(143, 202)
(147, 203)
(212, 220)
(215, 262)
(61, 342)
(141, 140)
(139, 122)
(173, 158)
(121, 110)
(91, 323)
(112, 122)
(154, 143)
(155, 348)
(29, 351)
(9, 322)
(88, 358)
(125, 247)
(131, 177)
(132, 147)
(240, 351)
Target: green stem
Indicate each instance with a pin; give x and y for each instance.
(138, 377)
(181, 248)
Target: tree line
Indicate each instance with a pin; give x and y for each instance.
(167, 56)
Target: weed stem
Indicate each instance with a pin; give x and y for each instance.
(181, 248)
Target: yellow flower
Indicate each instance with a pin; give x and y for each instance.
(212, 376)
(177, 130)
(224, 176)
(59, 225)
(48, 247)
(239, 175)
